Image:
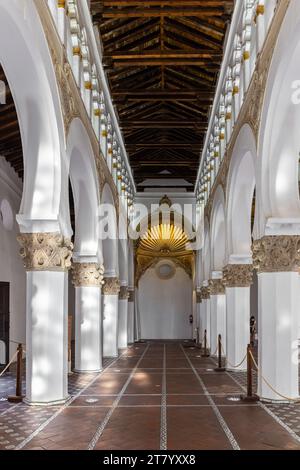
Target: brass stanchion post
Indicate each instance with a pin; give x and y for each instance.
(205, 352)
(250, 397)
(18, 397)
(220, 368)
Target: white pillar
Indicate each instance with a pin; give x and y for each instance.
(217, 314)
(205, 315)
(87, 278)
(237, 279)
(131, 316)
(123, 318)
(276, 259)
(46, 258)
(111, 291)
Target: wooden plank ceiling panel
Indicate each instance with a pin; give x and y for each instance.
(162, 59)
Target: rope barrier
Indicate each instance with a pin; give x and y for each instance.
(10, 363)
(294, 400)
(229, 363)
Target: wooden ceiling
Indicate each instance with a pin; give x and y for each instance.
(162, 59)
(10, 138)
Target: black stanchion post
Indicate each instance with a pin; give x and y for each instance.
(205, 352)
(18, 397)
(220, 368)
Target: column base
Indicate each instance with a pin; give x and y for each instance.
(253, 399)
(50, 403)
(96, 371)
(277, 402)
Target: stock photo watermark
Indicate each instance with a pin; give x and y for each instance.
(2, 92)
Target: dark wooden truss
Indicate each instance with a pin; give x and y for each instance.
(162, 59)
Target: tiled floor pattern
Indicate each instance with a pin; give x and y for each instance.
(157, 395)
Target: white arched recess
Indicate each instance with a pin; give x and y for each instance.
(123, 275)
(206, 272)
(218, 255)
(87, 247)
(110, 303)
(27, 63)
(278, 199)
(240, 190)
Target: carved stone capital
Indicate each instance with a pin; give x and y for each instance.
(238, 275)
(216, 287)
(124, 293)
(198, 297)
(45, 251)
(205, 293)
(277, 254)
(111, 286)
(87, 274)
(130, 295)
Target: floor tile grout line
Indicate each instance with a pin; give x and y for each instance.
(270, 412)
(58, 412)
(92, 444)
(220, 418)
(163, 419)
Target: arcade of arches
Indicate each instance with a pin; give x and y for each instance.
(149, 224)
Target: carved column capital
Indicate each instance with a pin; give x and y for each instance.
(45, 251)
(205, 293)
(111, 286)
(87, 274)
(238, 275)
(216, 287)
(124, 293)
(277, 254)
(131, 294)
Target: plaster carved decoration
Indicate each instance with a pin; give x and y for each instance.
(45, 251)
(252, 107)
(71, 101)
(238, 275)
(277, 254)
(124, 293)
(216, 287)
(131, 295)
(87, 274)
(198, 297)
(111, 286)
(205, 293)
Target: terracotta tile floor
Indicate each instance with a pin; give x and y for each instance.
(158, 396)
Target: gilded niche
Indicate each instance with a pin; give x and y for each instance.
(45, 251)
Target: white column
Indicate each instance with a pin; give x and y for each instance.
(123, 318)
(278, 315)
(217, 314)
(46, 258)
(111, 291)
(237, 279)
(205, 315)
(131, 316)
(87, 278)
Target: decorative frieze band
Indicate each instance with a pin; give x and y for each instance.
(124, 293)
(205, 293)
(111, 286)
(87, 274)
(277, 254)
(238, 275)
(216, 287)
(45, 251)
